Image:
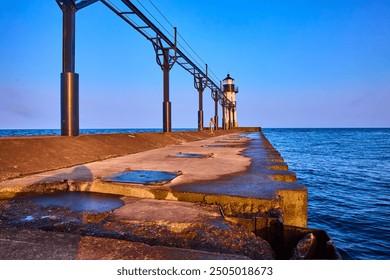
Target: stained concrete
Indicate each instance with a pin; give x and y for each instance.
(33, 244)
(246, 178)
(182, 226)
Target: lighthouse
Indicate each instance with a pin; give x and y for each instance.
(230, 113)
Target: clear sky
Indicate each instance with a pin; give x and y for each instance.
(322, 63)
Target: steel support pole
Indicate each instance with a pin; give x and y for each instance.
(200, 86)
(234, 119)
(69, 79)
(69, 104)
(223, 117)
(229, 118)
(167, 126)
(216, 113)
(200, 111)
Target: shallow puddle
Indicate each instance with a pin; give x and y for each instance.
(79, 201)
(146, 177)
(215, 146)
(225, 146)
(190, 155)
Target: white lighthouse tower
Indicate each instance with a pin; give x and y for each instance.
(230, 112)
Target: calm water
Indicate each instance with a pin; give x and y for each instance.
(347, 173)
(54, 132)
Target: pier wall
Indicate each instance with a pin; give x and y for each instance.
(243, 175)
(38, 154)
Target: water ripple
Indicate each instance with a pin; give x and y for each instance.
(347, 173)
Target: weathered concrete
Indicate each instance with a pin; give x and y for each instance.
(245, 176)
(34, 244)
(227, 162)
(26, 155)
(222, 179)
(148, 221)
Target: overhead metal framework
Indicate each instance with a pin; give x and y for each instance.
(167, 54)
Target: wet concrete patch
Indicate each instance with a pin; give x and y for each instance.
(214, 146)
(173, 224)
(75, 201)
(145, 177)
(224, 146)
(28, 218)
(234, 138)
(80, 201)
(191, 155)
(227, 141)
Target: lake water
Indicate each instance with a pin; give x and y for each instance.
(347, 173)
(57, 132)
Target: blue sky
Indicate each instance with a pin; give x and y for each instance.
(297, 63)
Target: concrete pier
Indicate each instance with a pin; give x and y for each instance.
(239, 187)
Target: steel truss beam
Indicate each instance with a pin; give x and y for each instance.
(167, 54)
(78, 5)
(180, 58)
(85, 3)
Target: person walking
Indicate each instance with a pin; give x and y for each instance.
(212, 123)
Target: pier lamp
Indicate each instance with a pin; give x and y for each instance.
(230, 91)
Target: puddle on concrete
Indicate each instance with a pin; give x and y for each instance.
(145, 177)
(190, 155)
(79, 201)
(224, 146)
(215, 146)
(50, 217)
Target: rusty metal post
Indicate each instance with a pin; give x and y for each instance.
(167, 125)
(69, 79)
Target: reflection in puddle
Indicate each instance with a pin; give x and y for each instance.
(79, 201)
(146, 177)
(190, 155)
